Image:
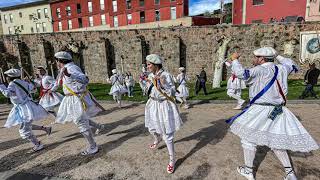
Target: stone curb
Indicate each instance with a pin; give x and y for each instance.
(218, 101)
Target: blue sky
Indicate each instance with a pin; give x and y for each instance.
(195, 6)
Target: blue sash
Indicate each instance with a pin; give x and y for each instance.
(264, 90)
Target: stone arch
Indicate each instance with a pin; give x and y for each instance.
(110, 57)
(25, 59)
(50, 61)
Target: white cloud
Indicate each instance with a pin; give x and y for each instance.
(201, 6)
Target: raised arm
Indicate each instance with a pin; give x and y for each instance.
(288, 64)
(8, 91)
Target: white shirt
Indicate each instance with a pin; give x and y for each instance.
(167, 86)
(181, 79)
(16, 94)
(46, 81)
(116, 79)
(259, 76)
(77, 82)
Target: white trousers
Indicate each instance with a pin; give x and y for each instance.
(236, 94)
(249, 150)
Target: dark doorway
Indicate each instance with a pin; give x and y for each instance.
(110, 55)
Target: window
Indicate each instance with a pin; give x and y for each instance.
(90, 6)
(90, 21)
(101, 4)
(22, 27)
(39, 13)
(20, 14)
(141, 2)
(157, 15)
(58, 12)
(103, 19)
(157, 2)
(115, 21)
(5, 18)
(114, 5)
(38, 27)
(32, 31)
(69, 24)
(256, 21)
(15, 29)
(68, 11)
(173, 13)
(78, 8)
(80, 22)
(129, 18)
(45, 10)
(60, 26)
(128, 3)
(11, 18)
(10, 30)
(44, 27)
(142, 17)
(258, 2)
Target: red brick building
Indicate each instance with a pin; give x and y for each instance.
(261, 11)
(74, 14)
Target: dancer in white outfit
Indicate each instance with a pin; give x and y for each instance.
(234, 88)
(117, 88)
(162, 117)
(182, 91)
(24, 110)
(266, 121)
(78, 105)
(47, 100)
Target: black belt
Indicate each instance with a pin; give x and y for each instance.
(277, 110)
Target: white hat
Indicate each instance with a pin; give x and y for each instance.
(63, 55)
(268, 52)
(114, 71)
(181, 68)
(13, 73)
(154, 58)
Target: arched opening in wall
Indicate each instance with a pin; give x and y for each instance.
(76, 50)
(50, 61)
(110, 55)
(25, 58)
(145, 48)
(183, 54)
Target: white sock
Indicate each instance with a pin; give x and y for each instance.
(170, 146)
(89, 137)
(249, 156)
(283, 156)
(33, 140)
(249, 153)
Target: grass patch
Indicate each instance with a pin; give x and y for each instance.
(101, 92)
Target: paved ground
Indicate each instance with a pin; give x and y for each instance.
(205, 149)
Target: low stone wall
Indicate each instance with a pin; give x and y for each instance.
(97, 52)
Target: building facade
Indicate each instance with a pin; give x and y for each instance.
(28, 18)
(262, 11)
(105, 14)
(313, 10)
